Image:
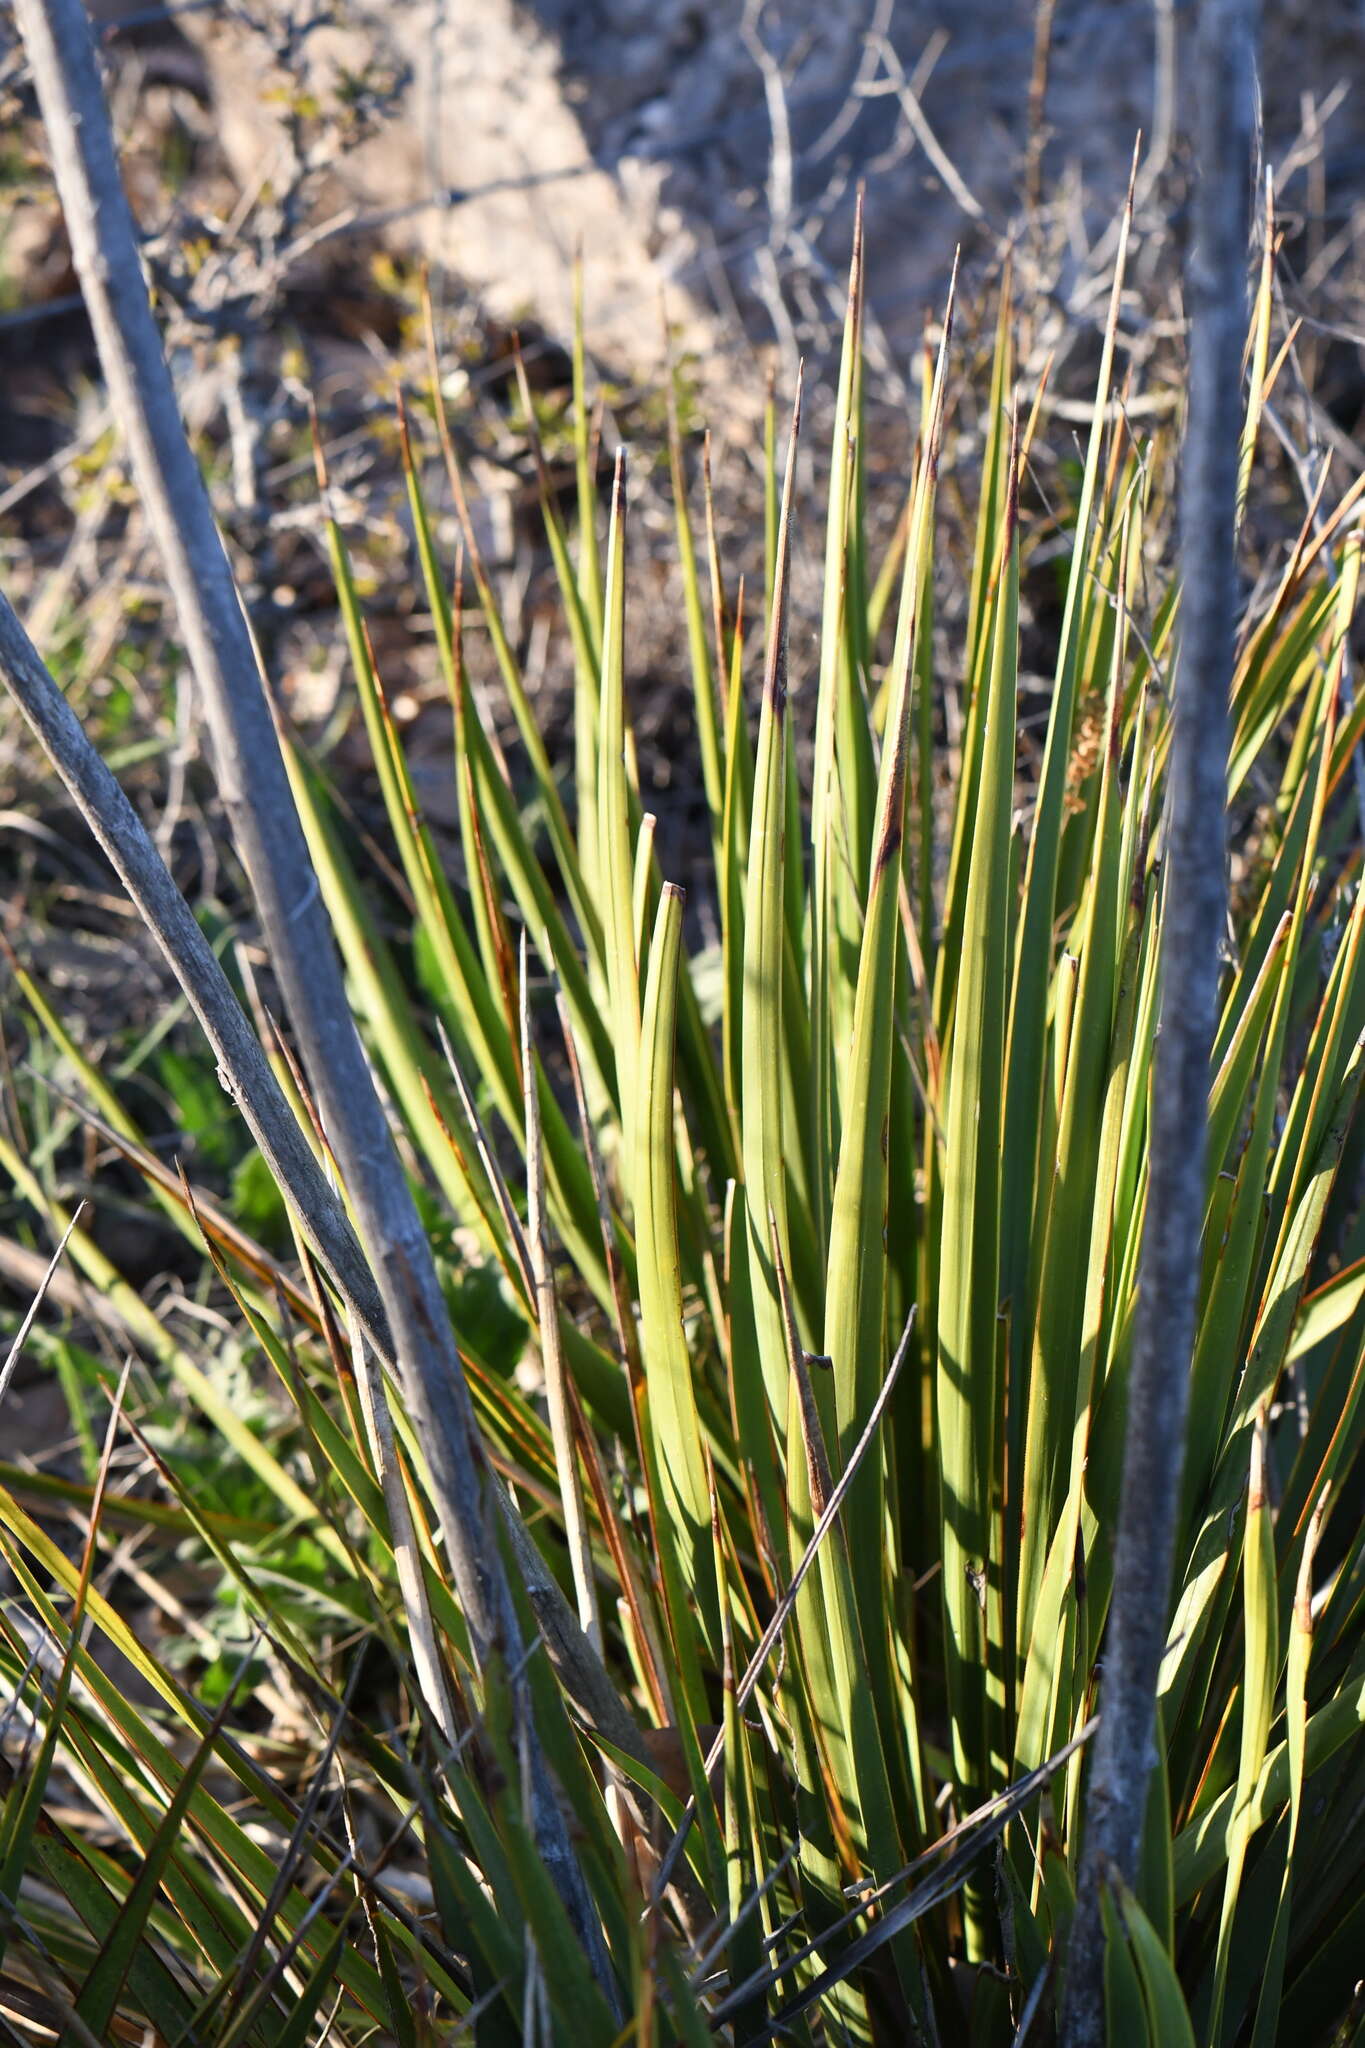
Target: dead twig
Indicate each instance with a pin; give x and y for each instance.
(1196, 912)
(259, 804)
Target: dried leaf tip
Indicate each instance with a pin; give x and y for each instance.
(1257, 1497)
(315, 432)
(1303, 1589)
(933, 438)
(1012, 487)
(404, 433)
(775, 675)
(1120, 626)
(950, 307)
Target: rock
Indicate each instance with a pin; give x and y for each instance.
(715, 146)
(643, 131)
(484, 167)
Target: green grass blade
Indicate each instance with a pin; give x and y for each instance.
(841, 820)
(703, 681)
(668, 1369)
(1296, 1736)
(615, 861)
(1058, 1393)
(1033, 950)
(765, 1186)
(1260, 1675)
(968, 1386)
(855, 1321)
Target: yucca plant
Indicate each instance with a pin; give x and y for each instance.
(817, 1258)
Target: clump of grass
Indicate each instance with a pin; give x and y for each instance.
(828, 1307)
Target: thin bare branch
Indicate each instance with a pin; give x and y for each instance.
(1196, 911)
(243, 1069)
(257, 798)
(21, 1334)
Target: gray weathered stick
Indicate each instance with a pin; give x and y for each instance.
(265, 825)
(247, 1077)
(1195, 918)
(242, 1066)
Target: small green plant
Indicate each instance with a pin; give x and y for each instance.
(796, 1294)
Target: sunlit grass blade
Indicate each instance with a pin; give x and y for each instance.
(988, 561)
(709, 731)
(1053, 1660)
(1296, 1730)
(836, 1667)
(615, 859)
(841, 810)
(765, 1187)
(668, 1368)
(734, 857)
(491, 796)
(1261, 1670)
(480, 1005)
(970, 1346)
(1211, 1551)
(1056, 1400)
(1228, 1303)
(585, 449)
(557, 824)
(855, 1308)
(1259, 349)
(1033, 946)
